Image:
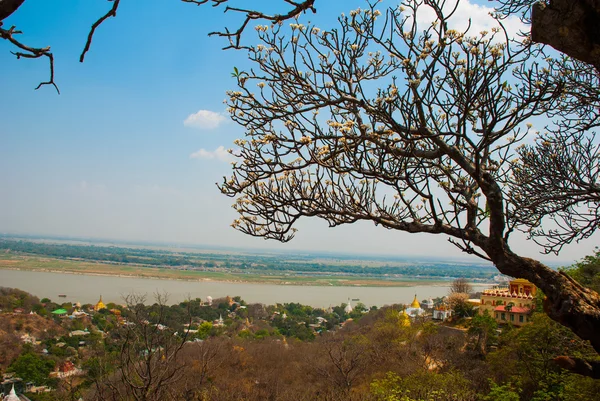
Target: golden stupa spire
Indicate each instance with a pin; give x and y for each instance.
(100, 304)
(404, 319)
(415, 303)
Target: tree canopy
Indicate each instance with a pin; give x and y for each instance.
(419, 129)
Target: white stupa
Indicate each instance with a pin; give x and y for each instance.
(348, 308)
(428, 304)
(12, 396)
(415, 308)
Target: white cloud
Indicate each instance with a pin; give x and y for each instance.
(468, 12)
(204, 119)
(219, 153)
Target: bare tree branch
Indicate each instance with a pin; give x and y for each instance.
(558, 180)
(111, 13)
(7, 7)
(253, 15)
(30, 52)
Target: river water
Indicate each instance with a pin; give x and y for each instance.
(88, 288)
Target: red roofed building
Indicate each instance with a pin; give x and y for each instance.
(66, 366)
(512, 304)
(512, 314)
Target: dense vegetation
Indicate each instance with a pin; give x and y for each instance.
(152, 351)
(245, 263)
(587, 271)
(281, 352)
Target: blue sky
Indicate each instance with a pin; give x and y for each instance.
(111, 157)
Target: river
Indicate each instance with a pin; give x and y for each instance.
(88, 288)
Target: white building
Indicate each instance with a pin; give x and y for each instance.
(442, 312)
(415, 308)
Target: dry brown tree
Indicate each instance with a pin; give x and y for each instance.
(461, 285)
(340, 362)
(148, 365)
(415, 128)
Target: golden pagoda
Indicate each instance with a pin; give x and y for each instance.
(415, 303)
(100, 305)
(404, 319)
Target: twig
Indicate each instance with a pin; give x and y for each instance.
(31, 52)
(235, 37)
(468, 249)
(111, 13)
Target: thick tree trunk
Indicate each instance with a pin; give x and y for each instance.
(570, 26)
(7, 7)
(567, 302)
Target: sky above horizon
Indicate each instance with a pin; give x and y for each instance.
(133, 146)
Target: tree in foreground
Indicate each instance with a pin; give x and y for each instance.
(417, 129)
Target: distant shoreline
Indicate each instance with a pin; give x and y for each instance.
(352, 281)
(232, 268)
(87, 288)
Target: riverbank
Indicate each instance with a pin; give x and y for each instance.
(52, 265)
(86, 288)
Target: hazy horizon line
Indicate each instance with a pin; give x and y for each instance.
(257, 251)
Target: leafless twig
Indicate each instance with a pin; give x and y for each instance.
(111, 13)
(252, 15)
(30, 52)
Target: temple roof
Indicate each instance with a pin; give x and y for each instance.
(514, 309)
(100, 304)
(12, 396)
(404, 319)
(415, 303)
